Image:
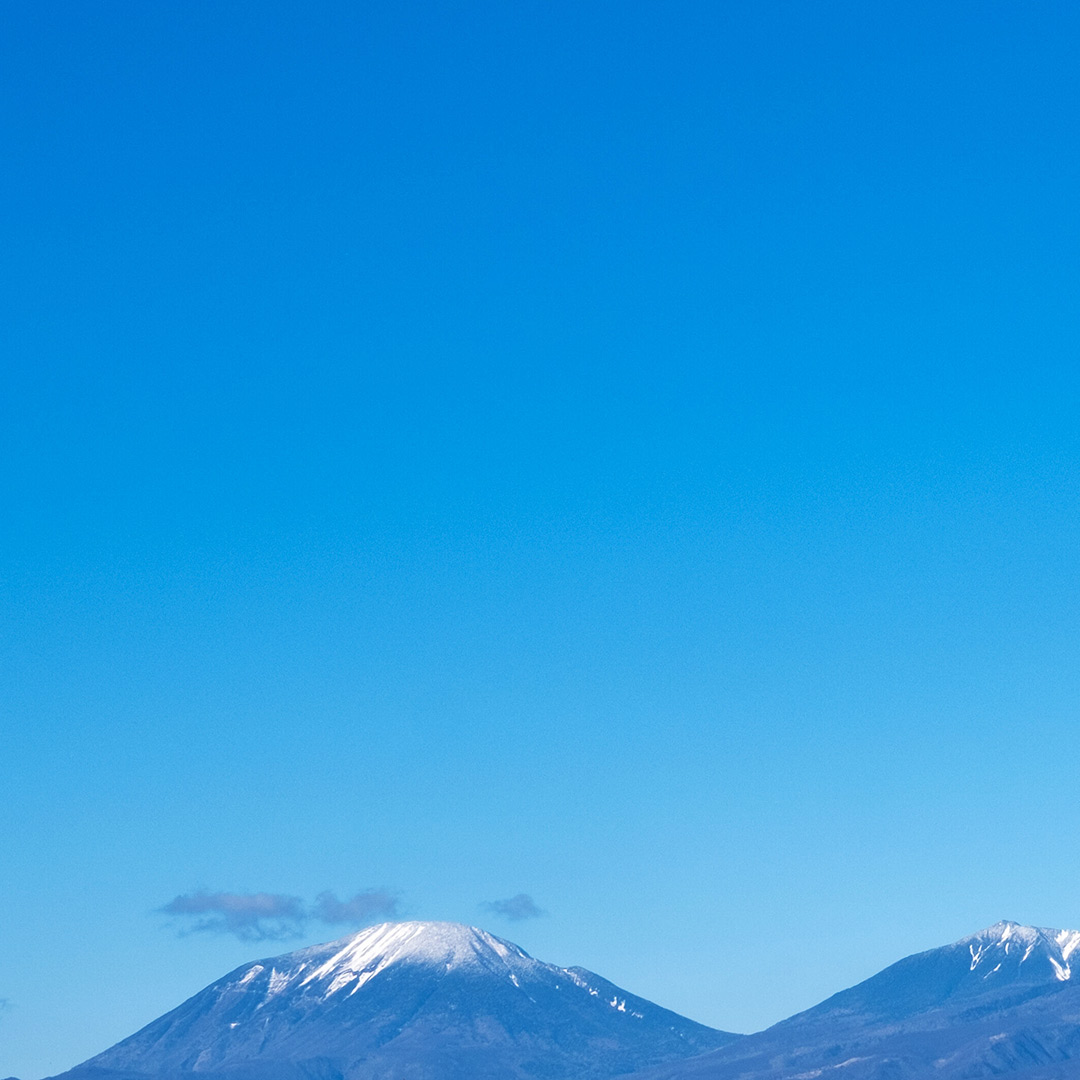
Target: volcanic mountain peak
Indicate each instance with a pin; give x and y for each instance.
(443, 946)
(405, 1001)
(349, 963)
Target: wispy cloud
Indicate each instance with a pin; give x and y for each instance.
(248, 916)
(274, 916)
(516, 908)
(363, 907)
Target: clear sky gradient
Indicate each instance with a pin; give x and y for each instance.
(619, 453)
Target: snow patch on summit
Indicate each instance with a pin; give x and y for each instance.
(448, 946)
(1067, 940)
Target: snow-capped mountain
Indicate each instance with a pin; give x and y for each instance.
(1006, 960)
(441, 1001)
(1004, 1000)
(416, 1000)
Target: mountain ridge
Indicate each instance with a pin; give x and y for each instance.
(1000, 1000)
(446, 1001)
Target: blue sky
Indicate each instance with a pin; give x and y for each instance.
(620, 454)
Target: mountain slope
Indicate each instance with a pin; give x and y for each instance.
(1004, 1000)
(405, 1001)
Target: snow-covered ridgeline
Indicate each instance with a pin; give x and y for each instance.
(1009, 941)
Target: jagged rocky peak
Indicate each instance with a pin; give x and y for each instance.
(1006, 959)
(1009, 945)
(1002, 1001)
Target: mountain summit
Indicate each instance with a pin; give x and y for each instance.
(354, 961)
(998, 967)
(1002, 950)
(416, 1000)
(1000, 1000)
